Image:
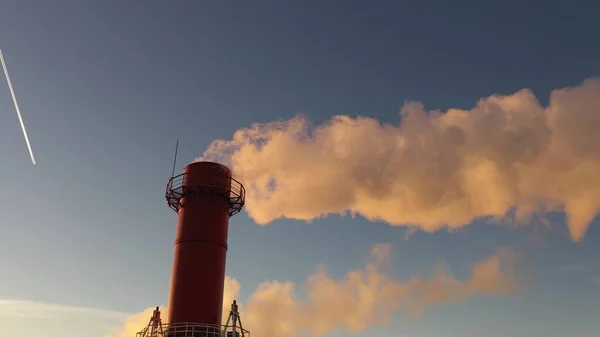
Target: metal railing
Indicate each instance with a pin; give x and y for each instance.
(192, 330)
(235, 193)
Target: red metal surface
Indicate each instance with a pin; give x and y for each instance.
(198, 274)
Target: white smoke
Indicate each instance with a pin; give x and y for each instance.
(434, 169)
(363, 298)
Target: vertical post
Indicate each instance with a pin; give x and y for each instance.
(175, 159)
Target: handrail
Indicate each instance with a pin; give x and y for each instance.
(235, 194)
(192, 330)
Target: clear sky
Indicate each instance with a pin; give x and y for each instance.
(107, 87)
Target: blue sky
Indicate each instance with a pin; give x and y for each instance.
(107, 87)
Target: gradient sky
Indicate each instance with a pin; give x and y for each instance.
(107, 87)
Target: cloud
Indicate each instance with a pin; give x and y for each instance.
(54, 319)
(43, 310)
(368, 296)
(574, 267)
(363, 297)
(434, 170)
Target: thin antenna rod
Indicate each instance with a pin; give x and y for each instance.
(175, 160)
(14, 98)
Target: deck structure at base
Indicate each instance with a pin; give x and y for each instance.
(232, 328)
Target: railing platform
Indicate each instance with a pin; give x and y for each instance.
(192, 330)
(235, 195)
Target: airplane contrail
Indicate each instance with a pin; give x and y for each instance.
(14, 97)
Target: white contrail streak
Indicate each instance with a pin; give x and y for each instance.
(14, 97)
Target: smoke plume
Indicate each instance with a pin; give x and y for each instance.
(432, 170)
(363, 298)
(368, 296)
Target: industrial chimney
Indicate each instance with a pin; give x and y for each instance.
(205, 195)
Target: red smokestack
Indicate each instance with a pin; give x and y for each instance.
(205, 196)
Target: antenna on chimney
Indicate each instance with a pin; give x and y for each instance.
(175, 159)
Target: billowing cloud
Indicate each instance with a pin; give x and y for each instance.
(432, 170)
(362, 298)
(368, 296)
